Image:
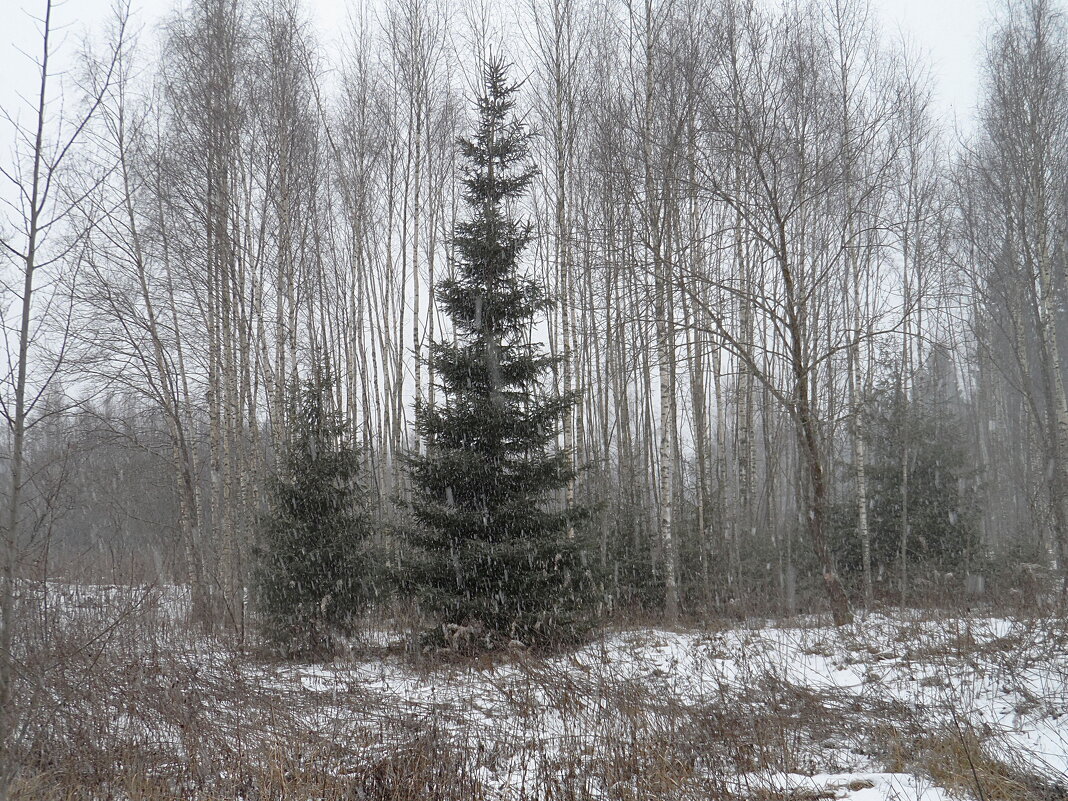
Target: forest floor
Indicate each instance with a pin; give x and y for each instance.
(912, 706)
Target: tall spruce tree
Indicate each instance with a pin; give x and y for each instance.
(310, 566)
(493, 546)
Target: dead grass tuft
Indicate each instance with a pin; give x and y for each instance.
(958, 761)
(428, 768)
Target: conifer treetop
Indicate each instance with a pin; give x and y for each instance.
(486, 299)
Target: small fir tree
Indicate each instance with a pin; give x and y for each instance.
(943, 507)
(310, 563)
(490, 549)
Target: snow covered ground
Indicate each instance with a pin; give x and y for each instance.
(919, 706)
(884, 709)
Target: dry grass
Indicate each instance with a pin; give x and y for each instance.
(121, 700)
(959, 762)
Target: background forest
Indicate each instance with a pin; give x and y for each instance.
(813, 336)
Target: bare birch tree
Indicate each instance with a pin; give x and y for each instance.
(42, 243)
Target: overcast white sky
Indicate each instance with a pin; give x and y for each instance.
(948, 31)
